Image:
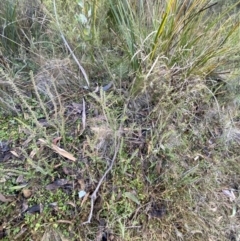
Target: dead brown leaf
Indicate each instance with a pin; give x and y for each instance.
(159, 167)
(85, 199)
(4, 199)
(64, 221)
(56, 140)
(56, 184)
(59, 150)
(71, 203)
(34, 152)
(82, 183)
(14, 153)
(20, 179)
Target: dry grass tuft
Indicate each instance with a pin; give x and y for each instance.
(58, 73)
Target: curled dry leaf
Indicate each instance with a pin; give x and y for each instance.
(159, 167)
(25, 206)
(33, 152)
(14, 153)
(85, 199)
(56, 140)
(71, 203)
(64, 221)
(59, 150)
(82, 183)
(56, 184)
(67, 170)
(20, 179)
(4, 199)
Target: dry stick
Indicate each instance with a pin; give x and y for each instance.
(94, 195)
(83, 116)
(69, 48)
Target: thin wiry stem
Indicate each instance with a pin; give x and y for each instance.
(69, 48)
(94, 195)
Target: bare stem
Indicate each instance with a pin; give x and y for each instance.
(69, 48)
(94, 195)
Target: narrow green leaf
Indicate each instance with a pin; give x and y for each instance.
(159, 32)
(132, 197)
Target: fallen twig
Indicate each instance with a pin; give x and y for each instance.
(83, 115)
(94, 195)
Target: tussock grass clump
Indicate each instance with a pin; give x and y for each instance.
(59, 71)
(22, 23)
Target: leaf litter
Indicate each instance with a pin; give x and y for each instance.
(57, 184)
(58, 150)
(4, 199)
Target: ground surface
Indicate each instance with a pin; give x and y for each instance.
(148, 150)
